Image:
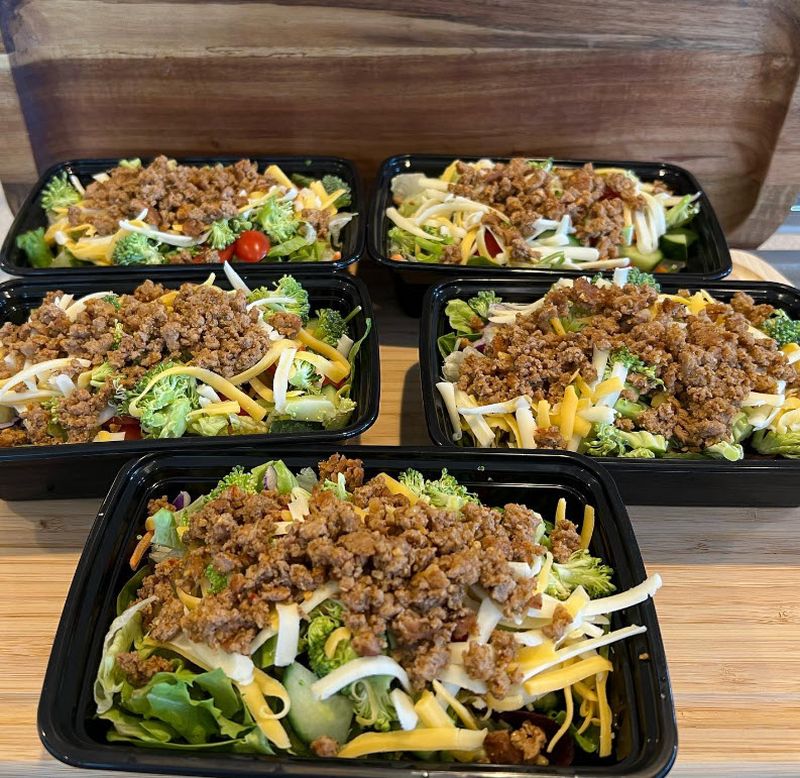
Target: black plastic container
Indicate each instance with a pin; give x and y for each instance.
(87, 469)
(756, 480)
(639, 688)
(31, 215)
(709, 258)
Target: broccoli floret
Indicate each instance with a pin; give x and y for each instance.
(640, 278)
(59, 193)
(100, 375)
(581, 569)
(782, 328)
(216, 581)
(370, 695)
(446, 492)
(301, 180)
(481, 302)
(246, 481)
(331, 325)
(35, 247)
(114, 300)
(133, 164)
(319, 630)
(220, 234)
(288, 296)
(163, 409)
(331, 184)
(136, 249)
(277, 218)
(773, 443)
(634, 364)
(304, 376)
(413, 480)
(119, 331)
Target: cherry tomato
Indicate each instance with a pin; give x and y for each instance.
(492, 246)
(251, 246)
(129, 426)
(226, 253)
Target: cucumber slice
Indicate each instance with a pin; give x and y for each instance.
(675, 244)
(312, 718)
(646, 262)
(571, 239)
(478, 261)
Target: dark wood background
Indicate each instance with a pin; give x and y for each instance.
(711, 85)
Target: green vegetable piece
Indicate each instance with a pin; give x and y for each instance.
(773, 443)
(277, 218)
(782, 328)
(35, 247)
(312, 718)
(286, 296)
(628, 408)
(132, 164)
(331, 184)
(59, 193)
(640, 278)
(338, 487)
(219, 686)
(478, 261)
(304, 376)
(639, 453)
(209, 426)
(128, 592)
(461, 316)
(291, 425)
(675, 244)
(216, 581)
(220, 234)
(165, 532)
(284, 478)
(247, 482)
(581, 569)
(634, 363)
(588, 741)
(741, 429)
(330, 326)
(644, 261)
(725, 449)
(481, 302)
(288, 247)
(136, 249)
(682, 213)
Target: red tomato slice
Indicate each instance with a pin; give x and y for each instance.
(251, 246)
(492, 246)
(226, 253)
(129, 426)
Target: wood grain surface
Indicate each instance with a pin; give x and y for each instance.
(728, 609)
(711, 86)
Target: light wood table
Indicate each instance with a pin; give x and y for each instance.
(729, 607)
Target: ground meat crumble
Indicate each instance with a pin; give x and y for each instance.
(524, 192)
(402, 569)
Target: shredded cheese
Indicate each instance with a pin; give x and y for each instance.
(261, 713)
(434, 739)
(567, 720)
(605, 715)
(587, 528)
(336, 637)
(269, 359)
(543, 414)
(395, 487)
(565, 676)
(467, 719)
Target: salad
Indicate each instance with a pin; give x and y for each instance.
(531, 213)
(159, 363)
(166, 213)
(618, 368)
(324, 613)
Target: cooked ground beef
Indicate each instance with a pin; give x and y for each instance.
(193, 197)
(520, 746)
(288, 324)
(139, 671)
(401, 568)
(325, 746)
(494, 662)
(564, 540)
(525, 193)
(556, 630)
(708, 362)
(13, 436)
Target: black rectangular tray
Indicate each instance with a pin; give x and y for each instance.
(709, 259)
(30, 215)
(86, 469)
(640, 689)
(756, 480)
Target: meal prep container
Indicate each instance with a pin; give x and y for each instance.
(31, 215)
(709, 259)
(640, 692)
(754, 481)
(86, 469)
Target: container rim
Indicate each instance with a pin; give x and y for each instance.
(360, 204)
(365, 416)
(430, 368)
(63, 741)
(376, 234)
